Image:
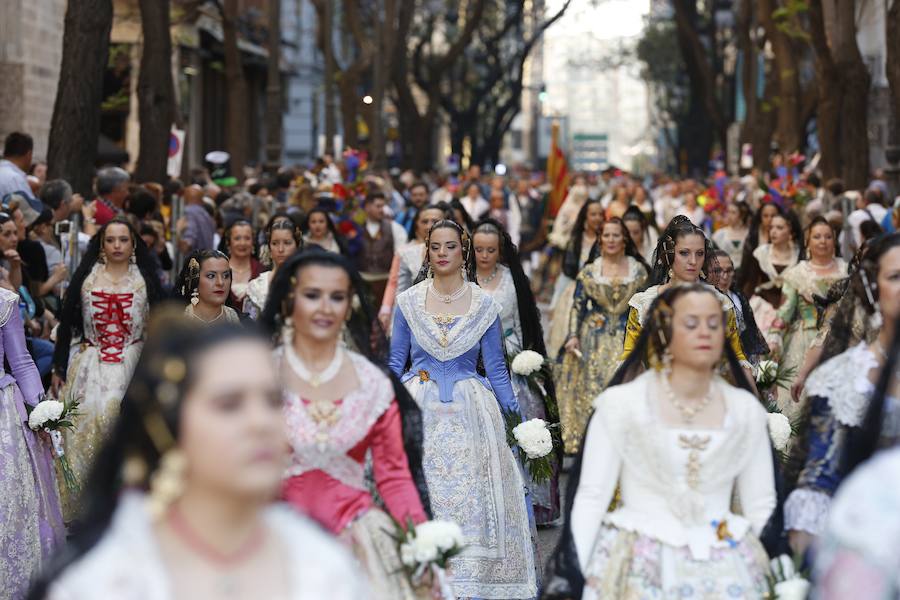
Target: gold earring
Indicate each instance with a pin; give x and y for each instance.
(167, 483)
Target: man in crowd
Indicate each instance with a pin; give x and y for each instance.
(381, 239)
(474, 202)
(418, 197)
(197, 227)
(18, 152)
(112, 191)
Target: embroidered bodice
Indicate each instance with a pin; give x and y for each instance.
(839, 391)
(505, 295)
(326, 475)
(604, 299)
(445, 349)
(674, 482)
(800, 286)
(114, 315)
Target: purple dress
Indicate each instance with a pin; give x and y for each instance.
(30, 521)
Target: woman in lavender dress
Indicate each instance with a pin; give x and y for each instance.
(30, 520)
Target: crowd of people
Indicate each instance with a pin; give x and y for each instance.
(718, 360)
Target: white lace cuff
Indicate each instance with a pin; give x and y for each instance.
(806, 510)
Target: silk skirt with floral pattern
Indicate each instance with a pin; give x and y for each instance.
(625, 565)
(474, 480)
(30, 522)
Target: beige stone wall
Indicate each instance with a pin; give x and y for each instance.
(30, 54)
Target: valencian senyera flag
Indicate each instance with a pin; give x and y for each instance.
(557, 172)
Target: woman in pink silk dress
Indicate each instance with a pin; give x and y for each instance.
(338, 407)
(30, 520)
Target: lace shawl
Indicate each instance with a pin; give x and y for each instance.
(464, 334)
(763, 256)
(9, 301)
(359, 411)
(844, 381)
(808, 283)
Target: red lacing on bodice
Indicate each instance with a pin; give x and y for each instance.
(112, 322)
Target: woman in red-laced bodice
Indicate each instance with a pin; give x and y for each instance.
(100, 335)
(338, 406)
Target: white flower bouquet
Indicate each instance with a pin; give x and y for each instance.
(527, 363)
(535, 440)
(772, 375)
(52, 416)
(426, 550)
(785, 580)
(779, 430)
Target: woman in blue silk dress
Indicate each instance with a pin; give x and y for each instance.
(442, 326)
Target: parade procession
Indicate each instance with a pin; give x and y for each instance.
(417, 300)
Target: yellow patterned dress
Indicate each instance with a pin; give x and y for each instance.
(797, 321)
(597, 318)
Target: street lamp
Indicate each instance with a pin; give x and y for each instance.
(367, 99)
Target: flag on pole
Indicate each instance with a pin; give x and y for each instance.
(557, 172)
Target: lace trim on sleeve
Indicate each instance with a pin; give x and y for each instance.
(806, 510)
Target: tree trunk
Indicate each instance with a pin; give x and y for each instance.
(705, 112)
(788, 130)
(743, 25)
(156, 92)
(75, 126)
(348, 88)
(855, 82)
(236, 115)
(830, 94)
(274, 108)
(327, 31)
(892, 65)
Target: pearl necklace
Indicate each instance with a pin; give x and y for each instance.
(302, 371)
(448, 298)
(688, 413)
(194, 315)
(493, 275)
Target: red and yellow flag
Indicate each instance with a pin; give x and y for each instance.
(557, 172)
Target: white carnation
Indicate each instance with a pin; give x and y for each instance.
(792, 589)
(779, 430)
(527, 362)
(534, 438)
(782, 567)
(768, 369)
(431, 540)
(48, 410)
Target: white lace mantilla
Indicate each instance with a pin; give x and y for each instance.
(465, 332)
(412, 255)
(505, 295)
(763, 256)
(808, 282)
(806, 510)
(642, 300)
(258, 290)
(844, 381)
(9, 301)
(359, 410)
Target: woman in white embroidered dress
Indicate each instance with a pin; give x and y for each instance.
(200, 450)
(839, 389)
(340, 407)
(499, 273)
(283, 238)
(100, 337)
(441, 327)
(679, 442)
